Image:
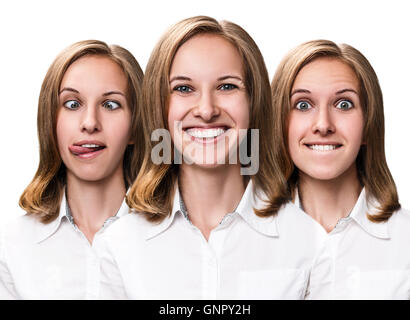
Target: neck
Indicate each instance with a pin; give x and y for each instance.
(93, 202)
(210, 193)
(327, 201)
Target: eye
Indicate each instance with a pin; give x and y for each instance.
(183, 89)
(111, 105)
(344, 105)
(72, 104)
(228, 86)
(303, 106)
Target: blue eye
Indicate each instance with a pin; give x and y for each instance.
(72, 104)
(303, 106)
(111, 105)
(183, 89)
(228, 86)
(344, 105)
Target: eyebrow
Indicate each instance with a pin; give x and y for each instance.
(346, 90)
(300, 91)
(180, 78)
(219, 79)
(228, 77)
(68, 89)
(113, 92)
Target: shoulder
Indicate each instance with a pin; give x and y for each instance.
(296, 225)
(20, 229)
(125, 235)
(398, 227)
(129, 226)
(400, 222)
(291, 213)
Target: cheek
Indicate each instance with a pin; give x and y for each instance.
(176, 112)
(239, 110)
(297, 126)
(119, 130)
(63, 128)
(353, 130)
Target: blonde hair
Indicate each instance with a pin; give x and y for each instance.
(153, 190)
(371, 164)
(42, 196)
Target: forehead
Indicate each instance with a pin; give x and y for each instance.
(205, 54)
(326, 72)
(98, 70)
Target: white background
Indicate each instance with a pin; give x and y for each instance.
(34, 32)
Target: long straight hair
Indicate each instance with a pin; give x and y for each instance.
(42, 196)
(371, 164)
(153, 190)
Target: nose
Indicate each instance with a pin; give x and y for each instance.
(90, 120)
(323, 123)
(206, 108)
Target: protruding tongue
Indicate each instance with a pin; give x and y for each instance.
(82, 150)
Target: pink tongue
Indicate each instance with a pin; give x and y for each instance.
(81, 150)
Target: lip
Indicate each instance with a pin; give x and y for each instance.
(205, 126)
(88, 153)
(81, 142)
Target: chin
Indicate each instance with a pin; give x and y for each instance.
(89, 175)
(214, 163)
(323, 174)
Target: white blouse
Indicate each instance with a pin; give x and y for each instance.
(246, 256)
(361, 259)
(49, 261)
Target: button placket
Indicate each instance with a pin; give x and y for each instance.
(209, 272)
(333, 242)
(93, 274)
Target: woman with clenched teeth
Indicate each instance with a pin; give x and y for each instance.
(330, 130)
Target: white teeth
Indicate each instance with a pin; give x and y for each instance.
(90, 145)
(205, 133)
(322, 147)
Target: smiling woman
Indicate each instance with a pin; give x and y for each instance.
(330, 129)
(202, 230)
(90, 153)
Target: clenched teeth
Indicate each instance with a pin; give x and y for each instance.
(323, 147)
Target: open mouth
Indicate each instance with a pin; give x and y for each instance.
(86, 149)
(323, 147)
(205, 134)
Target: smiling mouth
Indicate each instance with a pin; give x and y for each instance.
(323, 147)
(205, 133)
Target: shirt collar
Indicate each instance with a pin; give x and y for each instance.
(256, 199)
(250, 200)
(47, 230)
(365, 205)
(359, 213)
(156, 229)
